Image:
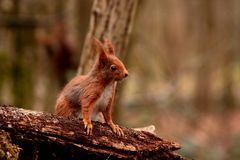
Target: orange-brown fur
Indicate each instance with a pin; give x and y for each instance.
(96, 90)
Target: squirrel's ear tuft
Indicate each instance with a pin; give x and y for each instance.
(109, 45)
(100, 49)
(98, 45)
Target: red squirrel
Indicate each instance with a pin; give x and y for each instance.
(94, 91)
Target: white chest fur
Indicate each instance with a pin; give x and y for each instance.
(105, 98)
(103, 101)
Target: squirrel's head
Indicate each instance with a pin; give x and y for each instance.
(108, 62)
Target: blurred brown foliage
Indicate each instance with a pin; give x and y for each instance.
(183, 58)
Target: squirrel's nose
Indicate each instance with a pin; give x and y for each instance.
(126, 74)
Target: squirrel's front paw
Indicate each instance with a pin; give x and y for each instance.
(116, 129)
(88, 127)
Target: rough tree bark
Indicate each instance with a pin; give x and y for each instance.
(44, 136)
(111, 19)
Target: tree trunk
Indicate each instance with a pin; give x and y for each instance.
(111, 19)
(46, 136)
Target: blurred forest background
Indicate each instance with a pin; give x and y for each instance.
(183, 59)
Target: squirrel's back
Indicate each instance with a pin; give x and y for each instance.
(68, 100)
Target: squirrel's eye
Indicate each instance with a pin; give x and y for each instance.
(113, 68)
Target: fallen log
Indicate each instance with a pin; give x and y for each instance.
(44, 136)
